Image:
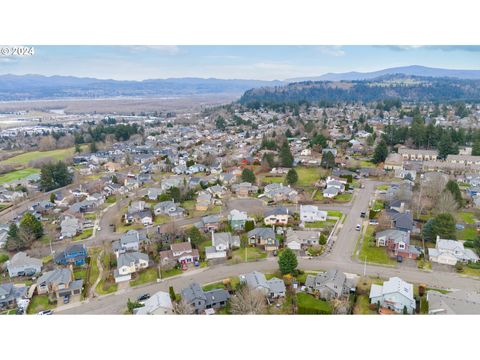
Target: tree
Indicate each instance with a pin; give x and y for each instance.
(453, 187)
(248, 301)
(442, 225)
(131, 305)
(322, 239)
(171, 291)
(93, 147)
(381, 152)
(446, 146)
(220, 123)
(286, 157)
(195, 236)
(292, 177)
(446, 203)
(31, 224)
(249, 225)
(54, 176)
(183, 308)
(52, 198)
(248, 176)
(319, 140)
(287, 261)
(78, 149)
(174, 194)
(328, 160)
(476, 148)
(13, 240)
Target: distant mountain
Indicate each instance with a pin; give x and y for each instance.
(33, 87)
(413, 70)
(401, 87)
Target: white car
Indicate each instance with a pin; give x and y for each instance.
(358, 227)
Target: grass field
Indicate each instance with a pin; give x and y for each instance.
(345, 197)
(361, 306)
(467, 218)
(374, 254)
(39, 303)
(469, 233)
(172, 272)
(307, 176)
(17, 175)
(366, 164)
(253, 254)
(146, 276)
(25, 158)
(273, 179)
(320, 224)
(334, 213)
(85, 234)
(383, 187)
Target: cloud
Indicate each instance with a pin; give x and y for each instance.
(471, 48)
(332, 50)
(162, 49)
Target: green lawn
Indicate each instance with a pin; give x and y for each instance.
(25, 158)
(122, 227)
(105, 287)
(345, 197)
(469, 233)
(85, 234)
(146, 276)
(80, 273)
(378, 205)
(361, 306)
(17, 175)
(334, 213)
(467, 218)
(273, 179)
(112, 199)
(107, 284)
(318, 196)
(383, 187)
(320, 224)
(307, 176)
(367, 164)
(170, 273)
(39, 303)
(374, 254)
(161, 219)
(217, 285)
(203, 245)
(253, 254)
(308, 304)
(3, 258)
(90, 216)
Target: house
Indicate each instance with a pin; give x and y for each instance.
(217, 191)
(209, 223)
(23, 265)
(158, 304)
(204, 200)
(300, 239)
(329, 285)
(244, 189)
(398, 243)
(330, 193)
(453, 303)
(11, 294)
(277, 216)
(418, 154)
(393, 161)
(311, 213)
(237, 219)
(144, 217)
(201, 300)
(168, 208)
(72, 255)
(395, 294)
(401, 221)
(70, 227)
(272, 288)
(112, 167)
(129, 241)
(154, 193)
(59, 283)
(221, 243)
(129, 263)
(263, 236)
(449, 252)
(278, 192)
(181, 253)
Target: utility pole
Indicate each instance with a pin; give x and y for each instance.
(365, 267)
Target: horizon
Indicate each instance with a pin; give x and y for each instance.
(264, 63)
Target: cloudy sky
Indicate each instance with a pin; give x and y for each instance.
(229, 62)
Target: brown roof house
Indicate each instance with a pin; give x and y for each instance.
(181, 253)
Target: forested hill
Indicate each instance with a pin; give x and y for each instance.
(405, 88)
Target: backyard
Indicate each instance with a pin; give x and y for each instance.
(85, 234)
(468, 233)
(467, 218)
(307, 304)
(307, 176)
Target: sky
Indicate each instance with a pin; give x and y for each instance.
(231, 62)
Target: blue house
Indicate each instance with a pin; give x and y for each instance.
(72, 255)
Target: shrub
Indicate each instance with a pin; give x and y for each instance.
(3, 258)
(459, 266)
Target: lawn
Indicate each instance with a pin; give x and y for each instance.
(361, 306)
(217, 285)
(345, 197)
(367, 164)
(112, 199)
(80, 273)
(374, 254)
(252, 254)
(3, 258)
(161, 219)
(146, 276)
(318, 196)
(90, 216)
(307, 176)
(308, 304)
(467, 218)
(203, 245)
(334, 213)
(170, 273)
(122, 227)
(273, 179)
(85, 234)
(39, 303)
(25, 158)
(105, 287)
(383, 187)
(469, 233)
(378, 205)
(17, 175)
(320, 224)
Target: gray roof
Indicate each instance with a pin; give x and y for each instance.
(262, 232)
(280, 210)
(57, 276)
(22, 260)
(193, 292)
(454, 303)
(160, 299)
(126, 259)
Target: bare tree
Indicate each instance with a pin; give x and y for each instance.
(248, 302)
(47, 143)
(446, 203)
(434, 186)
(384, 221)
(340, 306)
(183, 308)
(66, 141)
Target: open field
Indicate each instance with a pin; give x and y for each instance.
(467, 218)
(307, 176)
(25, 158)
(17, 175)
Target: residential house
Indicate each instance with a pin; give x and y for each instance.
(168, 208)
(129, 263)
(263, 236)
(398, 243)
(301, 239)
(453, 303)
(181, 253)
(277, 192)
(331, 284)
(277, 216)
(72, 255)
(418, 154)
(129, 241)
(11, 294)
(450, 252)
(395, 294)
(23, 265)
(70, 227)
(393, 161)
(158, 304)
(244, 189)
(154, 193)
(311, 213)
(237, 219)
(60, 284)
(272, 288)
(221, 243)
(201, 300)
(209, 223)
(204, 200)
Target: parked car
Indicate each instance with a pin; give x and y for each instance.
(45, 312)
(358, 227)
(399, 259)
(275, 253)
(66, 299)
(143, 298)
(363, 214)
(196, 263)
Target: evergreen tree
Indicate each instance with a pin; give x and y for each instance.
(54, 176)
(93, 147)
(286, 157)
(453, 187)
(292, 177)
(287, 261)
(248, 176)
(476, 148)
(381, 152)
(328, 160)
(442, 225)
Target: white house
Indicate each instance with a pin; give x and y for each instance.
(395, 294)
(158, 304)
(277, 216)
(297, 239)
(449, 252)
(129, 263)
(221, 243)
(311, 213)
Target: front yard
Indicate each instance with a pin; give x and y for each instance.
(320, 224)
(170, 273)
(371, 252)
(39, 303)
(469, 233)
(307, 304)
(146, 276)
(467, 218)
(85, 234)
(247, 254)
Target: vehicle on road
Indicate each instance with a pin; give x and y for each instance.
(99, 229)
(143, 298)
(275, 253)
(45, 312)
(196, 263)
(399, 259)
(358, 227)
(184, 267)
(363, 214)
(66, 299)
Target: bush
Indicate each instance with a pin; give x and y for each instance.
(468, 244)
(3, 258)
(459, 266)
(473, 265)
